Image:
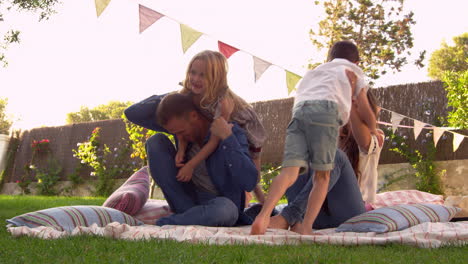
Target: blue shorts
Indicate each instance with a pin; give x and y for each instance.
(312, 135)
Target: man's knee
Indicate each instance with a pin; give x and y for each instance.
(225, 211)
(157, 140)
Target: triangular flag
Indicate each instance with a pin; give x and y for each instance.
(101, 5)
(147, 17)
(457, 139)
(291, 80)
(396, 119)
(260, 67)
(226, 49)
(418, 126)
(188, 36)
(437, 134)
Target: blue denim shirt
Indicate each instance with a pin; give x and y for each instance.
(230, 167)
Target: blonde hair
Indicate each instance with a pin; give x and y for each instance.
(216, 69)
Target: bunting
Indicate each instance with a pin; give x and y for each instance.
(188, 36)
(260, 66)
(457, 139)
(418, 126)
(396, 119)
(437, 134)
(100, 6)
(147, 17)
(226, 49)
(291, 80)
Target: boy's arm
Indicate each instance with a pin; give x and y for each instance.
(365, 112)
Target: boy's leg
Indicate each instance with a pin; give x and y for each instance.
(316, 198)
(161, 160)
(286, 178)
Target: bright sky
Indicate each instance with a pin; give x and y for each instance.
(77, 59)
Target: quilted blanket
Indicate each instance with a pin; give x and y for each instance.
(426, 235)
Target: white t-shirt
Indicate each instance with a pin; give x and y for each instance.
(368, 162)
(329, 82)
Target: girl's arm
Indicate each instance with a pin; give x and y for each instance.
(365, 112)
(185, 173)
(181, 148)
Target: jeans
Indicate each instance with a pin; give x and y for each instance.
(190, 205)
(343, 200)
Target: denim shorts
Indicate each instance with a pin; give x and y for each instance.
(312, 135)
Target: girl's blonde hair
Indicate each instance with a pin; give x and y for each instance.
(216, 69)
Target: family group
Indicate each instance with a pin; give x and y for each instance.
(210, 169)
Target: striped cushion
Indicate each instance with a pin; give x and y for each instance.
(132, 195)
(152, 211)
(66, 218)
(398, 217)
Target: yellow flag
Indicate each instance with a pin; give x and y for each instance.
(291, 80)
(101, 5)
(188, 36)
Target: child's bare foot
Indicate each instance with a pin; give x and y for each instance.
(278, 222)
(300, 228)
(260, 225)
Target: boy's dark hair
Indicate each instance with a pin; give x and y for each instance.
(344, 50)
(174, 105)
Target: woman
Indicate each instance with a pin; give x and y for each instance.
(363, 150)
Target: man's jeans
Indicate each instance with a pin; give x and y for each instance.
(190, 206)
(343, 199)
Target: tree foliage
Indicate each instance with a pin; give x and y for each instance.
(112, 110)
(449, 58)
(44, 9)
(457, 95)
(381, 30)
(5, 121)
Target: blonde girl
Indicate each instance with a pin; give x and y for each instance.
(206, 81)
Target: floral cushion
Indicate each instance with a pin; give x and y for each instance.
(398, 217)
(152, 211)
(66, 218)
(132, 195)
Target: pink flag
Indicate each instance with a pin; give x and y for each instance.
(147, 17)
(226, 49)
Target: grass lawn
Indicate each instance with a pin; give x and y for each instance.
(87, 249)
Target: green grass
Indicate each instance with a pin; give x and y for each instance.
(87, 249)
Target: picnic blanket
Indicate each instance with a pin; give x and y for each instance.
(425, 235)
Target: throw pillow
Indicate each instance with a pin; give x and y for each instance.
(66, 218)
(132, 195)
(152, 211)
(405, 197)
(398, 217)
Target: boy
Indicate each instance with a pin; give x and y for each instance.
(322, 104)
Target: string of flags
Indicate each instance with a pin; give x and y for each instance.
(418, 126)
(189, 36)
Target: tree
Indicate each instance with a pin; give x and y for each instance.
(381, 31)
(112, 110)
(449, 58)
(43, 7)
(457, 95)
(5, 122)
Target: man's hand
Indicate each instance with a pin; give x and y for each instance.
(221, 128)
(185, 173)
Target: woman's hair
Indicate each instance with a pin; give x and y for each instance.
(215, 80)
(348, 144)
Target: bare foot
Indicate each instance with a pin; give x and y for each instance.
(278, 222)
(260, 225)
(300, 228)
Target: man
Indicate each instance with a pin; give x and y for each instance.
(215, 194)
